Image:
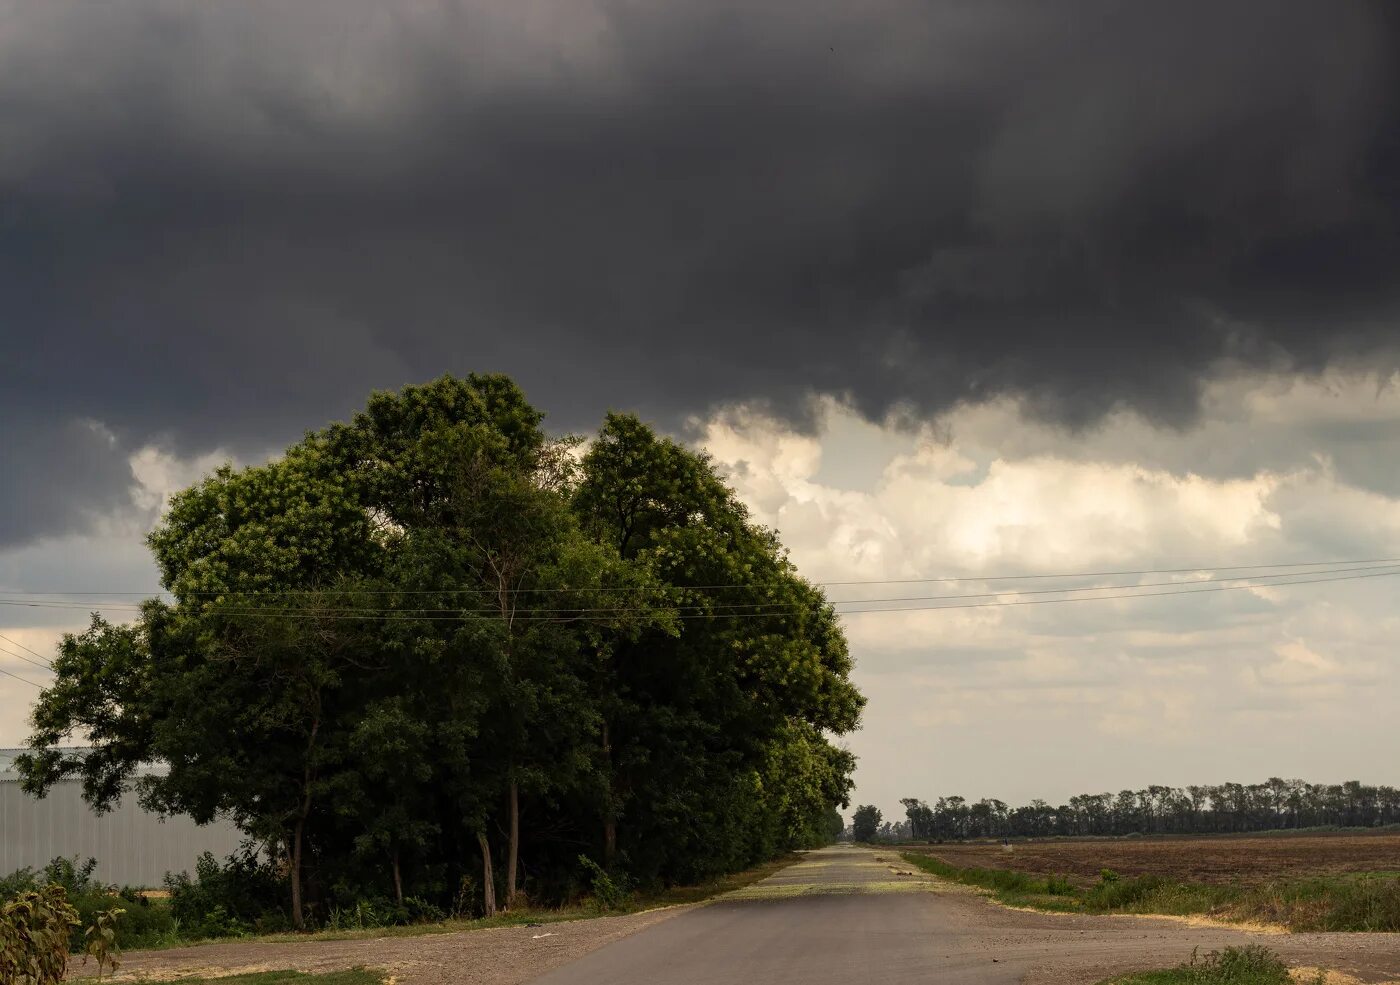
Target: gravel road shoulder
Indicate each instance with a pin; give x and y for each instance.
(495, 956)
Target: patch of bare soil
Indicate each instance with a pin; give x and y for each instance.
(496, 956)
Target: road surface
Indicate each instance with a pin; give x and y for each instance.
(851, 915)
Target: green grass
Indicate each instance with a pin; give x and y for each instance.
(1253, 965)
(356, 977)
(1344, 902)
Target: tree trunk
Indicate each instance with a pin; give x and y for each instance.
(298, 920)
(488, 881)
(513, 854)
(398, 879)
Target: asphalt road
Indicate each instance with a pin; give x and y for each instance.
(851, 915)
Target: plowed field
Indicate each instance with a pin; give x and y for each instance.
(1221, 861)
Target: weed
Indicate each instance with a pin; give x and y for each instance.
(1252, 965)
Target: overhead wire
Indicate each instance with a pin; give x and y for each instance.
(18, 678)
(43, 661)
(773, 607)
(567, 615)
(19, 656)
(753, 586)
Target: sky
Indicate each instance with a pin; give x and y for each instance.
(948, 289)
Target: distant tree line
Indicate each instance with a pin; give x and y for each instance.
(437, 653)
(1210, 809)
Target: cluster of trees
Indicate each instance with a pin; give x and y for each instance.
(434, 650)
(1228, 807)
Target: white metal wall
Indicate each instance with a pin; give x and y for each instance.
(132, 847)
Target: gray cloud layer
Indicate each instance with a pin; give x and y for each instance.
(223, 223)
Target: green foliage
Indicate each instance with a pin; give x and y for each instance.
(1269, 807)
(1250, 965)
(364, 914)
(1357, 901)
(413, 627)
(34, 936)
(610, 893)
(865, 823)
(144, 924)
(100, 941)
(239, 895)
(1240, 966)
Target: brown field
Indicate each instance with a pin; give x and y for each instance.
(1219, 861)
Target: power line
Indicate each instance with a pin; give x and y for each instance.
(19, 656)
(18, 678)
(59, 595)
(1355, 566)
(1185, 589)
(44, 662)
(367, 611)
(1130, 595)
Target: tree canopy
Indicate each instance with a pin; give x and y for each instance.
(436, 644)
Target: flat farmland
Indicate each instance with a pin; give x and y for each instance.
(1213, 861)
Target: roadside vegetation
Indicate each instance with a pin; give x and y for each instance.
(437, 663)
(1252, 965)
(1345, 902)
(222, 902)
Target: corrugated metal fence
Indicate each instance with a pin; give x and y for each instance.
(132, 847)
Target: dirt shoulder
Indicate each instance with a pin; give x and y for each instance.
(495, 956)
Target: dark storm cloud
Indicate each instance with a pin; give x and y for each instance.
(222, 223)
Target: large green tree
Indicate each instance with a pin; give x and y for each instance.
(432, 638)
(757, 673)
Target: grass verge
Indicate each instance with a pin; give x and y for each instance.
(1253, 965)
(1344, 902)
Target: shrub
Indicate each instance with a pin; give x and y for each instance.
(34, 936)
(19, 881)
(611, 892)
(143, 923)
(241, 895)
(1252, 965)
(1117, 894)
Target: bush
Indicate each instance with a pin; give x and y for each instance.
(34, 936)
(1252, 965)
(242, 895)
(611, 892)
(1117, 894)
(378, 911)
(142, 924)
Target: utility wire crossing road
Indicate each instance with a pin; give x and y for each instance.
(850, 915)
